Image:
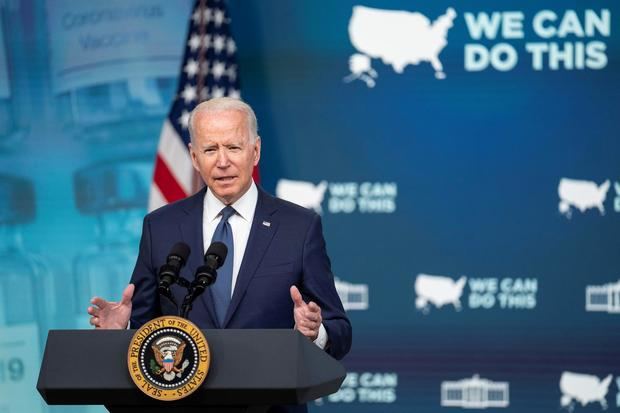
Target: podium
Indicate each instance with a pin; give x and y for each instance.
(250, 371)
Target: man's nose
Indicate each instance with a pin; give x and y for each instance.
(222, 159)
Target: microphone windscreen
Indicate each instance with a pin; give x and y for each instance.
(181, 250)
(218, 249)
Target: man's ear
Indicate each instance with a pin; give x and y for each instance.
(257, 143)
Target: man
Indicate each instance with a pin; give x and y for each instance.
(280, 272)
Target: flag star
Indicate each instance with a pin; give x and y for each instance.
(207, 15)
(218, 18)
(231, 72)
(194, 42)
(204, 94)
(219, 68)
(196, 16)
(184, 119)
(218, 92)
(218, 43)
(189, 93)
(234, 93)
(231, 47)
(191, 68)
(206, 41)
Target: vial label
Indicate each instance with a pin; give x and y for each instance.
(100, 42)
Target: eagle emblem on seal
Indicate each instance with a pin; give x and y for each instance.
(168, 363)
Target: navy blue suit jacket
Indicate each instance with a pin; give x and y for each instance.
(285, 247)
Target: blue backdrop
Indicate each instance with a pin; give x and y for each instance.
(462, 155)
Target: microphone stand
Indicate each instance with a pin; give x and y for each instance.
(186, 307)
(195, 289)
(168, 304)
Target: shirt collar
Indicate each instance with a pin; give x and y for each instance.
(244, 206)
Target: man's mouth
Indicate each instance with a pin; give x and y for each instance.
(225, 179)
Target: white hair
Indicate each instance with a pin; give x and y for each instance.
(222, 104)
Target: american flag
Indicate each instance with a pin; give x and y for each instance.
(208, 70)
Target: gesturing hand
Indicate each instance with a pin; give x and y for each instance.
(307, 315)
(110, 314)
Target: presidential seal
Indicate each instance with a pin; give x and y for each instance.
(168, 358)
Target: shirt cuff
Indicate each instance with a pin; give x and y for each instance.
(321, 340)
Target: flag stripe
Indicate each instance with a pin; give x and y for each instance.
(168, 186)
(156, 199)
(174, 152)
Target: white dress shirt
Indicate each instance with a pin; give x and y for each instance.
(241, 224)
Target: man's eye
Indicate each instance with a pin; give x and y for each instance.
(209, 150)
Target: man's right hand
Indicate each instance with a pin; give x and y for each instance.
(111, 315)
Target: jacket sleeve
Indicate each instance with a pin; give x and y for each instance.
(318, 286)
(145, 302)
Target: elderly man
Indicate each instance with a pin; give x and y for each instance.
(278, 273)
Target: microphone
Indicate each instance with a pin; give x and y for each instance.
(169, 272)
(206, 274)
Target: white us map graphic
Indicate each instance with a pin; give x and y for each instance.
(579, 388)
(302, 193)
(439, 291)
(582, 195)
(399, 38)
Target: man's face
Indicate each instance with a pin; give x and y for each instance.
(222, 153)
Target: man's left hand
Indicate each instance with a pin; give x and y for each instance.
(307, 315)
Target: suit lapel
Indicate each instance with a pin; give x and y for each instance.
(191, 230)
(264, 227)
